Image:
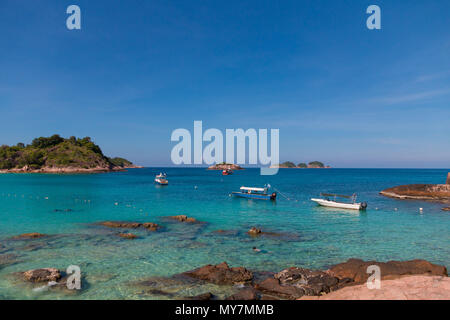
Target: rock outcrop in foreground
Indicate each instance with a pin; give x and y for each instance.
(356, 269)
(221, 274)
(404, 288)
(42, 275)
(294, 283)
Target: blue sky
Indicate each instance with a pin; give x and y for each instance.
(338, 92)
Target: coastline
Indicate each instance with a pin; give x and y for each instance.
(428, 192)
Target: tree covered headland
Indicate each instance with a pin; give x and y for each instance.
(57, 152)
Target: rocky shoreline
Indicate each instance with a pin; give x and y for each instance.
(430, 192)
(345, 281)
(427, 192)
(57, 170)
(341, 281)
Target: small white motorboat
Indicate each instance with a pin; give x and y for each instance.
(326, 202)
(161, 179)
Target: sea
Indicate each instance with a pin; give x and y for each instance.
(69, 207)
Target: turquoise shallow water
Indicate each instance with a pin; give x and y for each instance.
(311, 236)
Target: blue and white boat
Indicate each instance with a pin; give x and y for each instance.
(255, 193)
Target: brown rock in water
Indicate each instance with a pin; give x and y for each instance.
(127, 235)
(433, 192)
(150, 226)
(121, 224)
(356, 269)
(448, 178)
(32, 235)
(130, 225)
(201, 297)
(244, 294)
(294, 283)
(446, 209)
(254, 231)
(183, 218)
(42, 275)
(221, 274)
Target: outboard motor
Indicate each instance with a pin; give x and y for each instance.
(363, 206)
(273, 196)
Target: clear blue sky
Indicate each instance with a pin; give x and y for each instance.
(137, 70)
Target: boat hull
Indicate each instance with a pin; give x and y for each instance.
(339, 205)
(254, 196)
(162, 182)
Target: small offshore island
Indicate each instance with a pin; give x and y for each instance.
(225, 166)
(59, 155)
(310, 165)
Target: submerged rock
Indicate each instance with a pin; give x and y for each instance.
(121, 224)
(32, 235)
(446, 209)
(150, 226)
(244, 294)
(254, 231)
(221, 274)
(356, 269)
(201, 297)
(183, 218)
(42, 275)
(127, 235)
(294, 283)
(8, 259)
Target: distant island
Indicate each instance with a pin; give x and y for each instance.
(311, 165)
(59, 155)
(225, 166)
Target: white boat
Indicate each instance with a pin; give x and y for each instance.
(161, 179)
(353, 205)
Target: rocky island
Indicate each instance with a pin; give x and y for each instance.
(432, 192)
(310, 165)
(225, 166)
(59, 155)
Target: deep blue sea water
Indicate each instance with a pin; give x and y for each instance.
(311, 236)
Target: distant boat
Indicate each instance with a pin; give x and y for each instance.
(161, 179)
(227, 172)
(326, 202)
(255, 193)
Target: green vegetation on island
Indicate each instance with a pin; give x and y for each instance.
(53, 154)
(310, 165)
